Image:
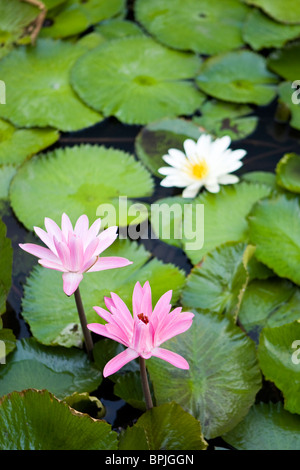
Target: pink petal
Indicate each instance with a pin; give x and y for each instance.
(91, 249)
(137, 297)
(45, 237)
(109, 262)
(51, 265)
(53, 229)
(113, 332)
(119, 361)
(63, 253)
(70, 282)
(162, 307)
(76, 253)
(103, 313)
(92, 232)
(106, 238)
(66, 226)
(39, 251)
(82, 226)
(146, 304)
(142, 338)
(171, 357)
(123, 310)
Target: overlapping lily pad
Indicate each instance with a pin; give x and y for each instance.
(217, 285)
(221, 118)
(269, 302)
(44, 96)
(275, 231)
(6, 259)
(166, 427)
(77, 180)
(285, 11)
(36, 420)
(260, 31)
(239, 77)
(288, 172)
(75, 16)
(285, 61)
(278, 353)
(53, 317)
(267, 426)
(137, 80)
(155, 139)
(206, 27)
(223, 378)
(118, 28)
(220, 225)
(18, 144)
(60, 370)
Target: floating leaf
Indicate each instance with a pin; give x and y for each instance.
(166, 427)
(77, 180)
(223, 378)
(7, 172)
(285, 61)
(75, 16)
(261, 177)
(155, 139)
(285, 11)
(18, 144)
(220, 118)
(275, 230)
(278, 354)
(129, 387)
(84, 403)
(49, 311)
(206, 27)
(239, 77)
(137, 80)
(260, 31)
(290, 98)
(267, 426)
(288, 172)
(44, 67)
(217, 285)
(36, 420)
(270, 302)
(220, 225)
(117, 29)
(60, 370)
(6, 259)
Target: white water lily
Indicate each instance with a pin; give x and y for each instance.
(205, 163)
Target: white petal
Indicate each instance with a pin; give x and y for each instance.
(175, 161)
(177, 154)
(191, 191)
(212, 188)
(228, 179)
(222, 144)
(190, 148)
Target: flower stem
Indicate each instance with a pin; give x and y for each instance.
(145, 384)
(86, 332)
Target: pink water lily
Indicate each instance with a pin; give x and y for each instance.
(143, 332)
(75, 251)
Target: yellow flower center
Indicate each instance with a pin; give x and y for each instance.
(199, 170)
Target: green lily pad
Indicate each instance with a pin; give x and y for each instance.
(220, 118)
(6, 259)
(278, 355)
(267, 426)
(165, 427)
(239, 77)
(60, 370)
(7, 343)
(285, 61)
(36, 420)
(15, 17)
(74, 16)
(155, 139)
(128, 386)
(44, 96)
(137, 80)
(78, 180)
(218, 284)
(118, 28)
(18, 144)
(275, 231)
(206, 27)
(84, 403)
(223, 378)
(260, 31)
(288, 172)
(285, 11)
(290, 99)
(7, 172)
(261, 177)
(269, 302)
(220, 225)
(50, 312)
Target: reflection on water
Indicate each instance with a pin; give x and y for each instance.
(264, 147)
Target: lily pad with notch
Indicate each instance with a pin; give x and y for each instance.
(284, 11)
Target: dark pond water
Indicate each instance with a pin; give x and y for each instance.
(265, 147)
